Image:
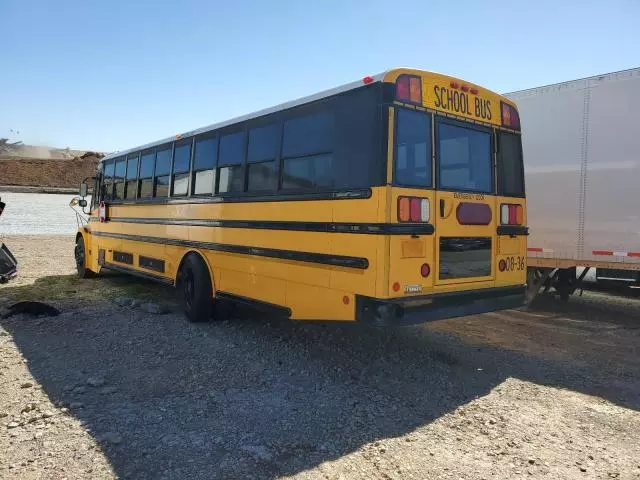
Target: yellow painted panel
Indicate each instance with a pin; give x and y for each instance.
(413, 248)
(438, 94)
(317, 303)
(250, 285)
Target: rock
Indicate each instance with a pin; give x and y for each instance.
(75, 405)
(583, 469)
(28, 408)
(47, 414)
(26, 385)
(156, 308)
(124, 301)
(532, 461)
(13, 425)
(258, 451)
(3, 414)
(112, 437)
(95, 382)
(64, 409)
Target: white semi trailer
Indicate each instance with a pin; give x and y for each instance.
(581, 146)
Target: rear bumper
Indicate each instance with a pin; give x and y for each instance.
(420, 309)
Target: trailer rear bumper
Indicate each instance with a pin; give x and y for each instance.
(425, 308)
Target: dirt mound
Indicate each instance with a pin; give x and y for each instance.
(48, 173)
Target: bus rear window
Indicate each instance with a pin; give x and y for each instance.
(510, 171)
(464, 159)
(413, 149)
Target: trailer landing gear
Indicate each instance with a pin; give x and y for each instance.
(563, 280)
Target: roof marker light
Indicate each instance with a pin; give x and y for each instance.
(367, 80)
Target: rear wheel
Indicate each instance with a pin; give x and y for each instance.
(194, 287)
(81, 260)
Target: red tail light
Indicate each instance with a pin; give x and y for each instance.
(510, 116)
(511, 214)
(409, 89)
(413, 209)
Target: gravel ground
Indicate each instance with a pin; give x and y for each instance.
(106, 391)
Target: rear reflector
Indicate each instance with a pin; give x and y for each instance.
(413, 209)
(425, 270)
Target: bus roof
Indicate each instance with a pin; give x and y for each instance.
(283, 106)
(388, 75)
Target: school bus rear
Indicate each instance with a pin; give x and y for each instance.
(455, 179)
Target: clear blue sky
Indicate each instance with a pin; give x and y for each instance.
(108, 75)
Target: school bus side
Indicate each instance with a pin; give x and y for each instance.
(306, 253)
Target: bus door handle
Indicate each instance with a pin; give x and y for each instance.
(446, 208)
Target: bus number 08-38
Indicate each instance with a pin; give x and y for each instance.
(514, 263)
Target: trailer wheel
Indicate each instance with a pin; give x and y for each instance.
(565, 284)
(81, 259)
(194, 287)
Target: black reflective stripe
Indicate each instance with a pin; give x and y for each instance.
(151, 263)
(310, 257)
(513, 230)
(137, 273)
(259, 304)
(280, 197)
(326, 227)
(123, 257)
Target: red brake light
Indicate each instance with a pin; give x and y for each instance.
(510, 117)
(413, 209)
(511, 214)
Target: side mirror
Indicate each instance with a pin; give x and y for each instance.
(82, 202)
(84, 190)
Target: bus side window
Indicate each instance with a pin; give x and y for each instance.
(107, 184)
(230, 163)
(119, 178)
(162, 173)
(131, 186)
(205, 159)
(181, 162)
(307, 151)
(261, 158)
(145, 183)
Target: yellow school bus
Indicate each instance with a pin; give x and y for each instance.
(395, 199)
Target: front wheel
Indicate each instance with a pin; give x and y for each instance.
(81, 260)
(194, 287)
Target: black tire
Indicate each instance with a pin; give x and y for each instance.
(81, 260)
(194, 287)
